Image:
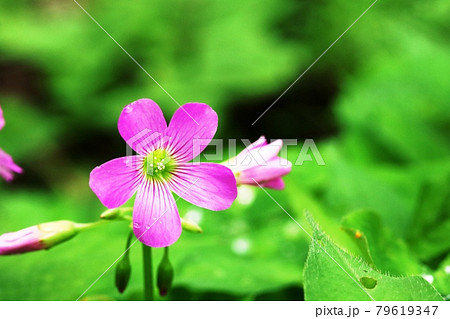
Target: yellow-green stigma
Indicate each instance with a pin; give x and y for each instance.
(159, 165)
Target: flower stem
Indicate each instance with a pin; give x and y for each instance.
(83, 226)
(148, 272)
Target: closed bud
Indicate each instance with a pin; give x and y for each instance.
(123, 273)
(42, 236)
(190, 226)
(123, 268)
(165, 274)
(116, 213)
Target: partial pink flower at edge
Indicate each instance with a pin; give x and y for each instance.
(2, 120)
(161, 167)
(259, 163)
(7, 165)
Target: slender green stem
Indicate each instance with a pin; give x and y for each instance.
(83, 226)
(148, 272)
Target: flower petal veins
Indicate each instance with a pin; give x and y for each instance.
(156, 222)
(142, 125)
(116, 181)
(187, 139)
(207, 185)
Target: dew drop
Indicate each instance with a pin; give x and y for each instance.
(160, 222)
(368, 282)
(128, 109)
(154, 218)
(136, 225)
(148, 227)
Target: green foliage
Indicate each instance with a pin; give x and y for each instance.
(333, 274)
(379, 247)
(430, 227)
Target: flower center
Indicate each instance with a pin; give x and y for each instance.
(159, 165)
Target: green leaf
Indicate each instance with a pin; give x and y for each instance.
(333, 274)
(430, 229)
(379, 246)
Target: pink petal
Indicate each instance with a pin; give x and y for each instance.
(156, 222)
(276, 183)
(275, 168)
(257, 144)
(191, 129)
(7, 166)
(117, 180)
(207, 185)
(256, 154)
(142, 125)
(233, 163)
(2, 120)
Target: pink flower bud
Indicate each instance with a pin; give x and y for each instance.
(42, 236)
(24, 240)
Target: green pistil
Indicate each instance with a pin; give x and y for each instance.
(159, 165)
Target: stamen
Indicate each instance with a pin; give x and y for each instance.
(159, 165)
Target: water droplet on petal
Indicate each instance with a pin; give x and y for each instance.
(148, 227)
(154, 218)
(136, 225)
(128, 109)
(160, 222)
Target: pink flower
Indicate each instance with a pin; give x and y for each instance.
(43, 236)
(259, 163)
(7, 165)
(161, 166)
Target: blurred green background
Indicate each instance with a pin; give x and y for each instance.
(377, 105)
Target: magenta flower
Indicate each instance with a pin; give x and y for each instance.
(259, 163)
(7, 165)
(161, 166)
